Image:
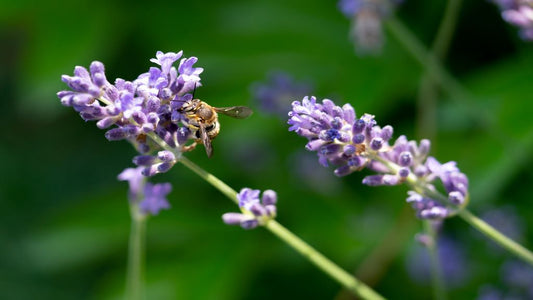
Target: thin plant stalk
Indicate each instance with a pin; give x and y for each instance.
(318, 259)
(502, 240)
(135, 268)
(427, 128)
(437, 280)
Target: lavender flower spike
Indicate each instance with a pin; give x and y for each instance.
(142, 111)
(367, 15)
(254, 211)
(351, 144)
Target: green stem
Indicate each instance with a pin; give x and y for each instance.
(427, 60)
(214, 181)
(134, 279)
(344, 278)
(427, 93)
(323, 263)
(439, 292)
(497, 236)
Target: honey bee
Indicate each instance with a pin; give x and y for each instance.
(202, 119)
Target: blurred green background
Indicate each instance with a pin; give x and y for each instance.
(64, 217)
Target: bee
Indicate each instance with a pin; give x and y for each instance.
(202, 119)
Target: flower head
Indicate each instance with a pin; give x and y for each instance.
(366, 31)
(520, 14)
(150, 198)
(142, 111)
(254, 211)
(351, 144)
(155, 198)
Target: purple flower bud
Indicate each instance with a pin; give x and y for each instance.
(249, 224)
(106, 122)
(358, 138)
(434, 213)
(115, 134)
(258, 210)
(233, 218)
(139, 117)
(314, 145)
(423, 148)
(183, 135)
(150, 171)
(404, 172)
(155, 198)
(456, 198)
(405, 159)
(373, 180)
(358, 126)
(376, 143)
(329, 135)
(164, 167)
(166, 156)
(343, 171)
(336, 123)
(143, 160)
(349, 149)
(329, 149)
(386, 132)
(269, 197)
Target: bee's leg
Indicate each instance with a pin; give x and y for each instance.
(189, 147)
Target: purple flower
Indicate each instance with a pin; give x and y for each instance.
(452, 259)
(150, 197)
(276, 95)
(135, 180)
(155, 198)
(351, 144)
(142, 111)
(516, 277)
(366, 31)
(254, 211)
(506, 220)
(520, 14)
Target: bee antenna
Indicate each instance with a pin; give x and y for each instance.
(194, 90)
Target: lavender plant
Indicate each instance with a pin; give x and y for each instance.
(352, 144)
(146, 112)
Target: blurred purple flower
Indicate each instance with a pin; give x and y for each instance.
(254, 211)
(150, 198)
(517, 279)
(453, 262)
(367, 16)
(518, 13)
(351, 144)
(276, 94)
(506, 220)
(155, 198)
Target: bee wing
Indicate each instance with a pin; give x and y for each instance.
(206, 141)
(238, 112)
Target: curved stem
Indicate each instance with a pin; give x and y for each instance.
(427, 60)
(344, 278)
(497, 236)
(135, 269)
(436, 268)
(327, 266)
